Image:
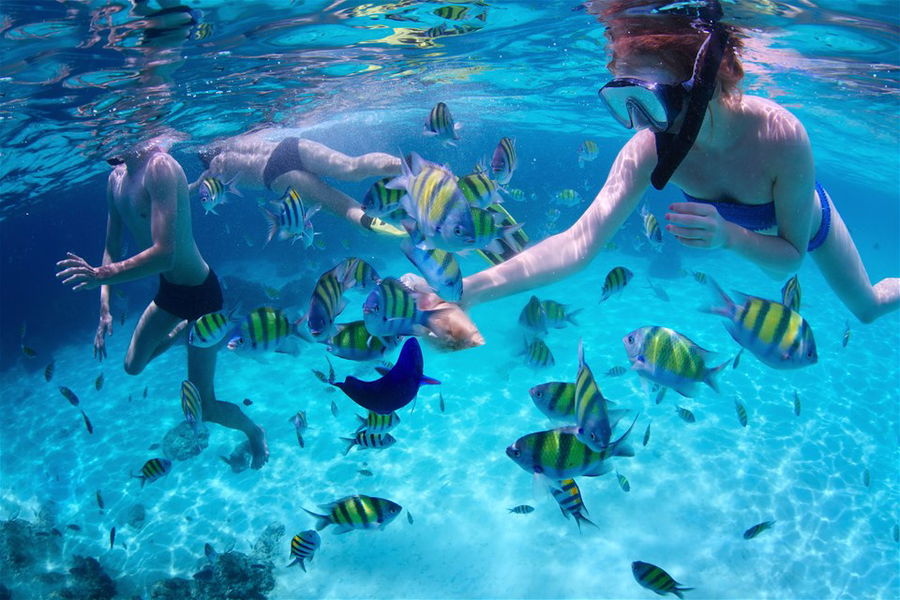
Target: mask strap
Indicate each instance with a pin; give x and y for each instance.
(671, 149)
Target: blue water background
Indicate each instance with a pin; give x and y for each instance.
(694, 489)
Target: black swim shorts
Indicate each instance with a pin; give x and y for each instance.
(190, 301)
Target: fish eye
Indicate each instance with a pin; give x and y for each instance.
(458, 230)
(630, 339)
(514, 452)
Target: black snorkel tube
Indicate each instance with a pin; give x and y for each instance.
(672, 148)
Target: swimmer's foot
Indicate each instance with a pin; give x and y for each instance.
(259, 448)
(380, 227)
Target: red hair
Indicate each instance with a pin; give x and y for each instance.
(672, 40)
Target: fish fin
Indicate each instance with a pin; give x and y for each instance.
(311, 211)
(541, 485)
(321, 520)
(508, 232)
(494, 246)
(727, 308)
(427, 132)
(426, 380)
(273, 222)
(602, 468)
(677, 591)
(579, 519)
(231, 188)
(710, 377)
(570, 317)
(351, 443)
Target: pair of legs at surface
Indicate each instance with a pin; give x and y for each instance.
(315, 161)
(843, 269)
(155, 333)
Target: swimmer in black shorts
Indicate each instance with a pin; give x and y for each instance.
(147, 193)
(260, 164)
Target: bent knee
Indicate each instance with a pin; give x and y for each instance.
(133, 367)
(866, 315)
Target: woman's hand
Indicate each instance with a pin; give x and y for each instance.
(450, 328)
(103, 329)
(698, 225)
(76, 271)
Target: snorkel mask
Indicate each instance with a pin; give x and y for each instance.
(639, 104)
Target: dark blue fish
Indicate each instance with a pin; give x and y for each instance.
(396, 388)
(112, 537)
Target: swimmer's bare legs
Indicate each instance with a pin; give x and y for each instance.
(155, 333)
(310, 186)
(327, 162)
(840, 263)
(201, 371)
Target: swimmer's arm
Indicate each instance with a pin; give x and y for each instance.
(570, 251)
(781, 255)
(112, 247)
(162, 180)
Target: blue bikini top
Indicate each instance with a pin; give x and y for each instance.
(754, 217)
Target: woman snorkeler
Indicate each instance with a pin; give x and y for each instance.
(677, 75)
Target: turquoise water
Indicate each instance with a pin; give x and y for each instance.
(531, 71)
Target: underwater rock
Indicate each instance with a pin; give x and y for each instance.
(136, 516)
(181, 443)
(22, 545)
(172, 589)
(236, 575)
(239, 459)
(88, 582)
(266, 547)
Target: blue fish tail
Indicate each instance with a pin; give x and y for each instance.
(274, 224)
(727, 308)
(709, 378)
(322, 521)
(570, 317)
(350, 443)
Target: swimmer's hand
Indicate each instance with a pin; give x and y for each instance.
(698, 225)
(103, 329)
(78, 273)
(450, 328)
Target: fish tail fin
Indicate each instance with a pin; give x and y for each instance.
(273, 222)
(678, 589)
(231, 188)
(322, 521)
(580, 352)
(570, 317)
(726, 307)
(508, 232)
(580, 518)
(350, 443)
(710, 377)
(426, 380)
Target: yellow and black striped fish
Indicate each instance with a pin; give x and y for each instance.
(304, 546)
(587, 151)
(325, 305)
(741, 413)
(592, 415)
(354, 342)
(533, 317)
(369, 441)
(69, 395)
(615, 282)
(356, 273)
(454, 12)
(290, 219)
(567, 197)
(790, 293)
(512, 246)
(656, 580)
(202, 31)
(556, 399)
(440, 124)
(568, 496)
(757, 529)
(209, 330)
(651, 228)
(262, 330)
(505, 160)
(480, 190)
(391, 309)
(48, 371)
(377, 423)
(670, 359)
(439, 268)
(357, 512)
(686, 415)
(558, 315)
(775, 334)
(433, 200)
(623, 482)
(557, 454)
(538, 355)
(153, 469)
(521, 509)
(191, 404)
(383, 202)
(98, 383)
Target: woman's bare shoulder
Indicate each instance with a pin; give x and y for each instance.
(776, 123)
